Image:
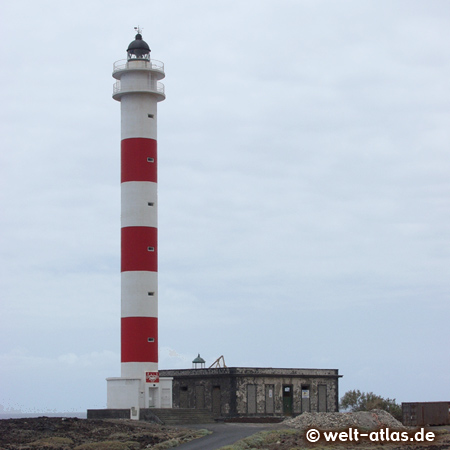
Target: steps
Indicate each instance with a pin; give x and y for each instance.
(183, 416)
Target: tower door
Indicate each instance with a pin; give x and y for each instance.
(152, 397)
(287, 399)
(166, 398)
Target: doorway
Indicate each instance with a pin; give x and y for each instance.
(251, 398)
(305, 399)
(287, 399)
(200, 397)
(216, 405)
(152, 397)
(322, 400)
(184, 399)
(270, 388)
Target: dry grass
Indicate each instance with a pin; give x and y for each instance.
(52, 442)
(109, 445)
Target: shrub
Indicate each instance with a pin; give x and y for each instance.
(366, 401)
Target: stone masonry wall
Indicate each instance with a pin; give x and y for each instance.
(234, 382)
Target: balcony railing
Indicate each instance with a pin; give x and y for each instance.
(158, 88)
(124, 64)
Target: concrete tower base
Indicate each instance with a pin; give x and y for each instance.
(134, 394)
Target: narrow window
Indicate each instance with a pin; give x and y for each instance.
(150, 203)
(151, 249)
(150, 116)
(151, 294)
(150, 159)
(151, 339)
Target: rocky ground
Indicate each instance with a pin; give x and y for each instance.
(46, 433)
(295, 440)
(290, 434)
(369, 420)
(81, 434)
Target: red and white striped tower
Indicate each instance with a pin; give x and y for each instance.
(138, 90)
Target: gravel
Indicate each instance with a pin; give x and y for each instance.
(369, 420)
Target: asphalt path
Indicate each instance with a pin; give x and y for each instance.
(224, 434)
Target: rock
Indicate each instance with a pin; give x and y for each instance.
(369, 420)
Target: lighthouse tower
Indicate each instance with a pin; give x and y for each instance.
(138, 90)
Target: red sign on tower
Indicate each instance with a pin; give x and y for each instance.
(152, 377)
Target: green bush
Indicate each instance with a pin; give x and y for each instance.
(366, 401)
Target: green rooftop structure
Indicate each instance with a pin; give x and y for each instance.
(198, 360)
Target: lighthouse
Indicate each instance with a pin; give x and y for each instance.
(139, 90)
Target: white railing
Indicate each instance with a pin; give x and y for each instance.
(158, 88)
(153, 64)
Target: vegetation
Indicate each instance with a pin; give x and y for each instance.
(52, 442)
(281, 438)
(108, 445)
(366, 401)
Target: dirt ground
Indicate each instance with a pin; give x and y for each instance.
(82, 434)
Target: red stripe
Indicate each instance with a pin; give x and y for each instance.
(135, 252)
(135, 155)
(135, 334)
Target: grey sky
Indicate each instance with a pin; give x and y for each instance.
(304, 194)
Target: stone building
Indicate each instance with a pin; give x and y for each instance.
(243, 391)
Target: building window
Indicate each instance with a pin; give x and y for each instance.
(151, 249)
(151, 294)
(151, 339)
(150, 159)
(150, 203)
(151, 116)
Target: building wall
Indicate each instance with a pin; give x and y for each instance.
(255, 391)
(301, 402)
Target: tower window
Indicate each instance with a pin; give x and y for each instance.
(151, 116)
(151, 294)
(150, 203)
(151, 339)
(150, 159)
(151, 249)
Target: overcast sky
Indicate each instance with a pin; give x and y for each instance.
(304, 192)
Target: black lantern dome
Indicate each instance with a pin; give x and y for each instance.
(138, 49)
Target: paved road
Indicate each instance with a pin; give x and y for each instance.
(224, 434)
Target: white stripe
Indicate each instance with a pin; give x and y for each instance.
(135, 120)
(139, 204)
(137, 369)
(136, 301)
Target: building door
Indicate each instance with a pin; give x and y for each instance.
(305, 399)
(152, 397)
(184, 399)
(322, 400)
(287, 399)
(251, 398)
(166, 398)
(269, 399)
(200, 397)
(216, 406)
